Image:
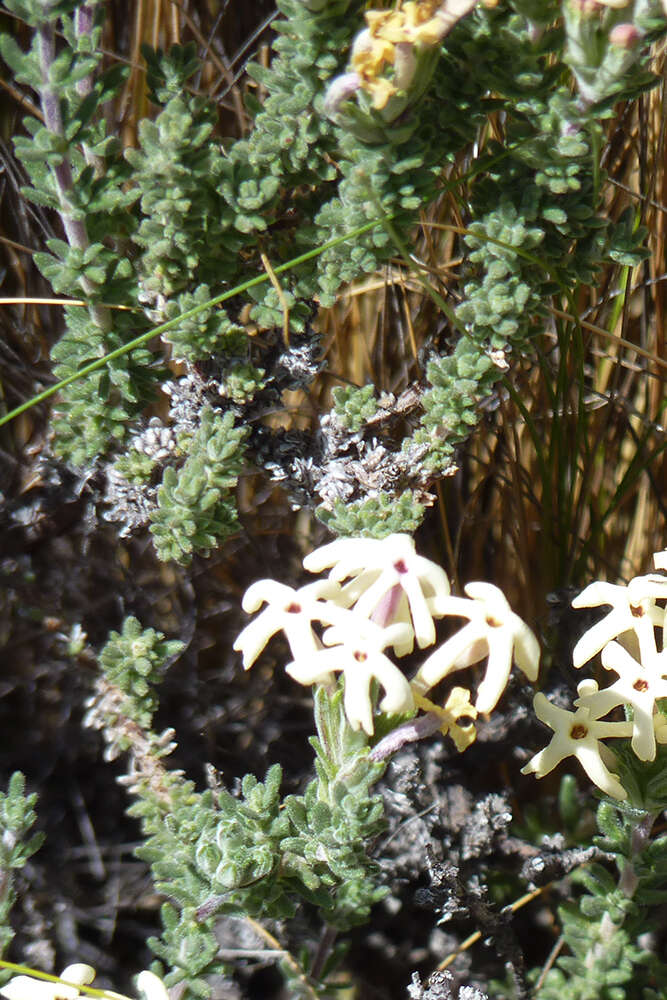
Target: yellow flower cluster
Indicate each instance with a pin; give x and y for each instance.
(383, 53)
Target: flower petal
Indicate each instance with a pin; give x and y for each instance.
(594, 639)
(151, 986)
(526, 650)
(78, 973)
(452, 655)
(660, 559)
(28, 988)
(497, 672)
(597, 593)
(591, 761)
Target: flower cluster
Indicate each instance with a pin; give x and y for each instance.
(68, 987)
(388, 56)
(380, 596)
(626, 639)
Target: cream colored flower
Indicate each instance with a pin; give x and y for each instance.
(633, 609)
(358, 654)
(639, 686)
(151, 986)
(578, 734)
(378, 567)
(27, 988)
(288, 610)
(660, 559)
(494, 631)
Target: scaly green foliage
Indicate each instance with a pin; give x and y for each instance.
(76, 169)
(17, 816)
(536, 228)
(376, 517)
(132, 660)
(177, 169)
(354, 407)
(603, 930)
(195, 505)
(255, 855)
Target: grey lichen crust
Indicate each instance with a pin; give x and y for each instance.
(439, 987)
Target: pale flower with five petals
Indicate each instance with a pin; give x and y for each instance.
(633, 609)
(493, 630)
(578, 734)
(358, 654)
(380, 573)
(639, 686)
(288, 610)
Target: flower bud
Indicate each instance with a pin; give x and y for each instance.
(625, 36)
(405, 65)
(340, 90)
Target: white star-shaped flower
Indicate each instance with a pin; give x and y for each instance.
(28, 988)
(359, 656)
(378, 567)
(638, 686)
(578, 734)
(633, 609)
(494, 631)
(289, 610)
